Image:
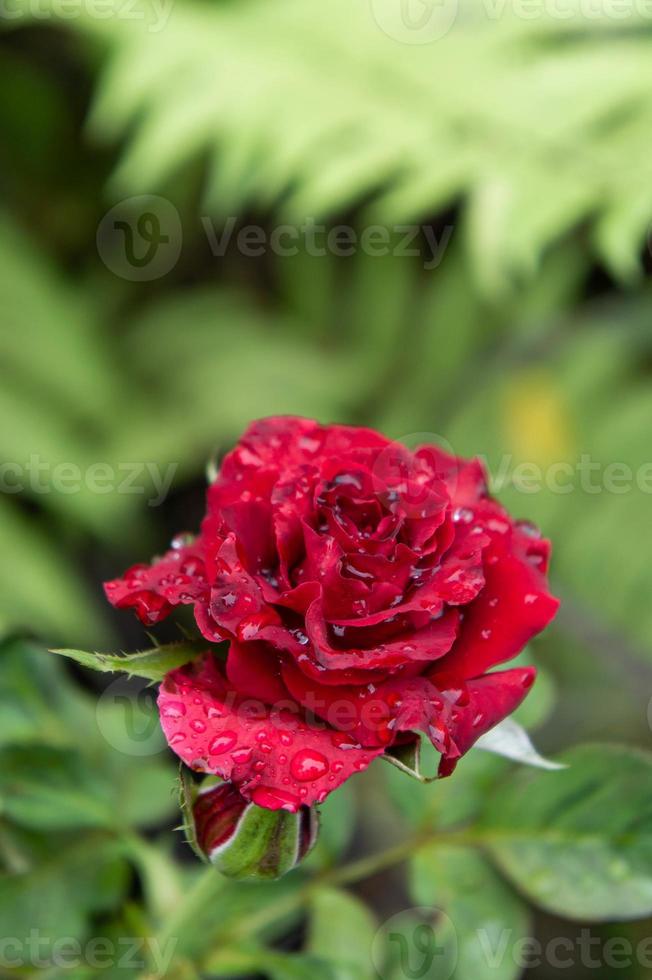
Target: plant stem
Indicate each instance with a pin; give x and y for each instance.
(207, 888)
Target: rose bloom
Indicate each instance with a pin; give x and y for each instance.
(366, 592)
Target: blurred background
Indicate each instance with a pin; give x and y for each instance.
(431, 218)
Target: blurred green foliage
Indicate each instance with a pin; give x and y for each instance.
(519, 147)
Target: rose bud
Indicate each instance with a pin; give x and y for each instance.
(247, 841)
(367, 593)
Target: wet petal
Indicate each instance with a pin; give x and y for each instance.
(274, 756)
(152, 591)
(485, 702)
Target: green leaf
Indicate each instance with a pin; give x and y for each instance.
(483, 916)
(68, 882)
(578, 842)
(445, 802)
(53, 789)
(152, 665)
(509, 739)
(231, 963)
(341, 932)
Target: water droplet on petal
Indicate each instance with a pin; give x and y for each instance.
(182, 541)
(222, 743)
(174, 709)
(462, 515)
(197, 725)
(274, 799)
(528, 528)
(308, 765)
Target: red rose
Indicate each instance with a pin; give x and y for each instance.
(365, 591)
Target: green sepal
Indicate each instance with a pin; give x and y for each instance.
(266, 845)
(407, 758)
(152, 665)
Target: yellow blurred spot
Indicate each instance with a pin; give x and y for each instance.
(536, 420)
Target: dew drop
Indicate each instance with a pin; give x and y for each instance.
(274, 799)
(182, 541)
(222, 743)
(308, 765)
(197, 725)
(174, 709)
(462, 515)
(528, 528)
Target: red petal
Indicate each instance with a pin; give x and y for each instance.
(178, 578)
(428, 643)
(514, 606)
(490, 699)
(372, 714)
(267, 753)
(254, 670)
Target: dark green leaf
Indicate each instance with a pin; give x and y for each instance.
(579, 842)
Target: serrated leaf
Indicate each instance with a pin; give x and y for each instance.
(151, 665)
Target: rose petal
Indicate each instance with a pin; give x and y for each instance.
(485, 702)
(514, 606)
(267, 753)
(254, 671)
(428, 643)
(152, 591)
